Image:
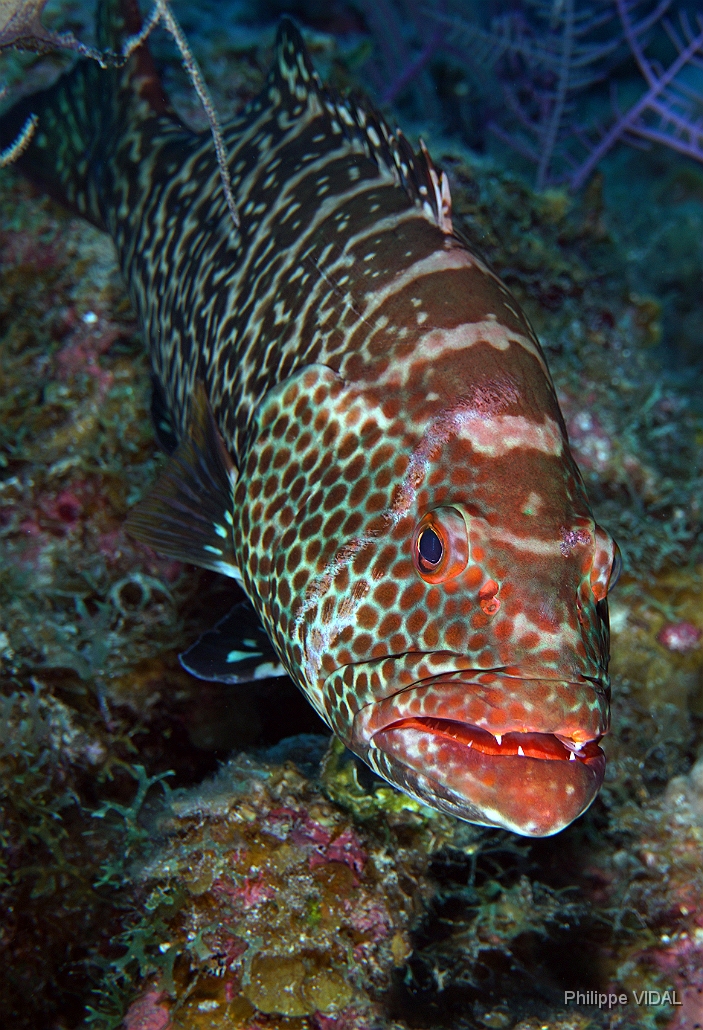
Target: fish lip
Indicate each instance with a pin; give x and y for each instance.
(535, 791)
(528, 796)
(507, 705)
(545, 747)
(531, 793)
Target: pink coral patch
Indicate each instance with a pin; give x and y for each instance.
(148, 1013)
(347, 849)
(680, 636)
(683, 960)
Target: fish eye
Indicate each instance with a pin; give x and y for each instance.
(616, 568)
(430, 547)
(440, 545)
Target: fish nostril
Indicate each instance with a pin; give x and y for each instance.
(487, 598)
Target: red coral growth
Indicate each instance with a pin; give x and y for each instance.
(148, 1013)
(60, 513)
(347, 849)
(680, 636)
(304, 830)
(64, 509)
(373, 920)
(254, 891)
(683, 961)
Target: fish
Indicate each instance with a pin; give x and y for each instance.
(364, 432)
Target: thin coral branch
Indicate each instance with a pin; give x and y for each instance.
(632, 35)
(162, 14)
(553, 125)
(191, 66)
(133, 42)
(388, 32)
(22, 28)
(519, 146)
(479, 46)
(20, 144)
(403, 49)
(409, 73)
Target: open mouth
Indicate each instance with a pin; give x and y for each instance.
(532, 783)
(488, 747)
(545, 746)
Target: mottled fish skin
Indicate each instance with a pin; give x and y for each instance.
(374, 385)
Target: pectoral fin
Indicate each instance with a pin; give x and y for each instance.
(188, 513)
(237, 650)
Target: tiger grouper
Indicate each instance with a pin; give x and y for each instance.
(365, 433)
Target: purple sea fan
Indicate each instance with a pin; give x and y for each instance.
(545, 54)
(670, 111)
(553, 58)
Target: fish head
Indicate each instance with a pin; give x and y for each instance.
(446, 613)
(496, 717)
(492, 704)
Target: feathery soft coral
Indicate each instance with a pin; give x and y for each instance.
(554, 62)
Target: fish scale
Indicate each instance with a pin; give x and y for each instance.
(369, 439)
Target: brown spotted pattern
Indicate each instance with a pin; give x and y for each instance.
(373, 381)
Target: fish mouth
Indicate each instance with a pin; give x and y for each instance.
(533, 776)
(543, 746)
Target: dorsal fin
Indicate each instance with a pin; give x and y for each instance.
(293, 79)
(188, 513)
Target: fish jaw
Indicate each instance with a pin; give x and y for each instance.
(488, 753)
(534, 797)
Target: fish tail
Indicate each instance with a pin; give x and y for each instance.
(82, 120)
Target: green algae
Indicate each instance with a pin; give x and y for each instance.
(339, 774)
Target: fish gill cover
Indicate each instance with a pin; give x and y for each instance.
(94, 623)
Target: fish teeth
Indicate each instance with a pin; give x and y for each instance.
(499, 738)
(573, 745)
(520, 751)
(572, 757)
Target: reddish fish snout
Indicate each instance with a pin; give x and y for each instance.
(521, 754)
(535, 797)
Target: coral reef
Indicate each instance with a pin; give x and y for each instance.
(260, 896)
